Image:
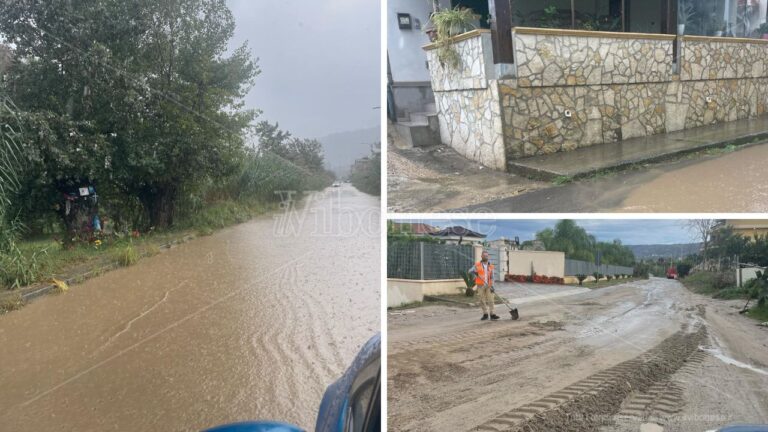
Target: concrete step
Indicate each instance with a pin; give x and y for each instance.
(590, 160)
(422, 133)
(422, 117)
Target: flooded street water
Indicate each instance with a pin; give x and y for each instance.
(252, 322)
(735, 182)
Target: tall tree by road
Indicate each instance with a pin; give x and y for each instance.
(136, 95)
(578, 244)
(702, 229)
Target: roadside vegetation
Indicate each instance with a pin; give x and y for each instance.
(602, 283)
(713, 271)
(366, 174)
(104, 157)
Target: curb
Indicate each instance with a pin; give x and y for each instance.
(519, 167)
(31, 293)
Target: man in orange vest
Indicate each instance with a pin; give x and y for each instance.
(483, 271)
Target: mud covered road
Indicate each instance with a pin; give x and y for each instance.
(645, 355)
(253, 322)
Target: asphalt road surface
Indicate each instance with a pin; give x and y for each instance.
(252, 322)
(641, 356)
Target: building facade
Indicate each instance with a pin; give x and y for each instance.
(549, 77)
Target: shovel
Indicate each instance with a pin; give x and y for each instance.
(512, 310)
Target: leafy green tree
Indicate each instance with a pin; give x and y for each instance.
(569, 238)
(137, 95)
(271, 139)
(577, 244)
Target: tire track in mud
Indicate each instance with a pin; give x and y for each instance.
(458, 341)
(662, 399)
(588, 403)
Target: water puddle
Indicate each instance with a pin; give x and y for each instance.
(731, 361)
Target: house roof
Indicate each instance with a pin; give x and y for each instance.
(413, 228)
(457, 231)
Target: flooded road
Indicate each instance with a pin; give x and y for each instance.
(734, 182)
(726, 183)
(608, 359)
(252, 322)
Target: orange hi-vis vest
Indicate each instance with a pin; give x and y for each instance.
(480, 272)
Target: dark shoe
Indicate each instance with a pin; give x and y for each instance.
(494, 317)
(485, 317)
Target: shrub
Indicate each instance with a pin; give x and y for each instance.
(18, 270)
(469, 281)
(706, 282)
(581, 278)
(127, 256)
(757, 289)
(683, 270)
(534, 279)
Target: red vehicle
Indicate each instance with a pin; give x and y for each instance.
(672, 273)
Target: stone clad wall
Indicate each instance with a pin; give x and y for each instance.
(573, 89)
(706, 58)
(467, 101)
(617, 88)
(474, 50)
(545, 60)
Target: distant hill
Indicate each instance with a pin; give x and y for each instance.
(664, 251)
(343, 148)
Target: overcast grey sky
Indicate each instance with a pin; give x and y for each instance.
(629, 231)
(320, 62)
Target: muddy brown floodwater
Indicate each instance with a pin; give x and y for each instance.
(735, 182)
(252, 322)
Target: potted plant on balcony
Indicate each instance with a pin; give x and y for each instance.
(449, 23)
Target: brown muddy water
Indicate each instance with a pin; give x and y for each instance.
(735, 182)
(252, 322)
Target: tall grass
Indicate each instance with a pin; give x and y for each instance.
(16, 269)
(264, 176)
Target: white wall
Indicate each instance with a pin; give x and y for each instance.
(404, 291)
(545, 263)
(747, 274)
(407, 60)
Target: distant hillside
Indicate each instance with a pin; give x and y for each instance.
(343, 148)
(664, 251)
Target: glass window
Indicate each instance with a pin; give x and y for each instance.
(732, 18)
(594, 15)
(543, 14)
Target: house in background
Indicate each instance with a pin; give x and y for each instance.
(414, 229)
(459, 235)
(748, 228)
(502, 242)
